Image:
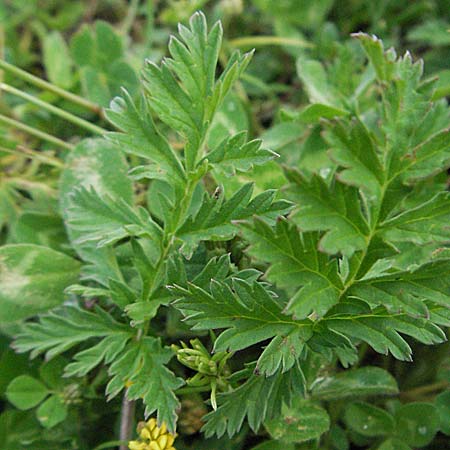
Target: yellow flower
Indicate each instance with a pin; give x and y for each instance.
(152, 437)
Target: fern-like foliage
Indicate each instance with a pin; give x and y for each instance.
(345, 257)
(339, 252)
(132, 253)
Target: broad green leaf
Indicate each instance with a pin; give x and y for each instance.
(353, 383)
(417, 423)
(303, 422)
(40, 229)
(316, 84)
(83, 47)
(95, 85)
(313, 113)
(25, 392)
(296, 265)
(109, 43)
(57, 61)
(442, 404)
(338, 438)
(11, 366)
(51, 373)
(100, 165)
(33, 279)
(394, 444)
(99, 53)
(52, 411)
(368, 420)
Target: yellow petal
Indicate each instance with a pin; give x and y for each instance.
(156, 432)
(162, 441)
(151, 423)
(163, 428)
(145, 433)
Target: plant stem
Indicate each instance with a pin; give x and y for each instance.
(42, 84)
(422, 390)
(53, 109)
(126, 421)
(46, 159)
(259, 41)
(130, 17)
(34, 132)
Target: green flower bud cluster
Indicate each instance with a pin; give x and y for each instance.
(212, 370)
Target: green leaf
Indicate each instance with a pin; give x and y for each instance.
(407, 292)
(421, 225)
(109, 43)
(258, 399)
(61, 330)
(140, 137)
(106, 220)
(235, 153)
(99, 53)
(417, 423)
(334, 209)
(381, 330)
(52, 412)
(40, 229)
(375, 52)
(394, 444)
(57, 61)
(97, 164)
(51, 373)
(183, 91)
(303, 422)
(250, 313)
(317, 86)
(33, 279)
(83, 47)
(442, 403)
(368, 420)
(353, 383)
(309, 277)
(142, 366)
(25, 392)
(354, 149)
(313, 113)
(215, 218)
(95, 86)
